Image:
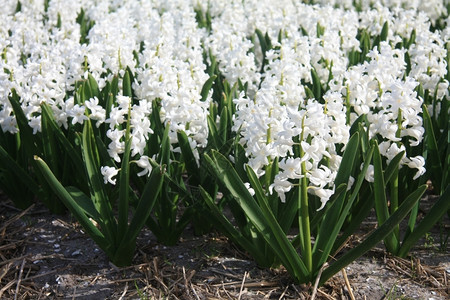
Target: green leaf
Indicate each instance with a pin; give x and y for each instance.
(336, 216)
(356, 124)
(365, 45)
(96, 185)
(207, 87)
(114, 86)
(384, 32)
(75, 156)
(29, 143)
(446, 175)
(434, 164)
(288, 211)
(309, 93)
(257, 187)
(156, 122)
(381, 207)
(93, 87)
(228, 229)
(73, 206)
(223, 126)
(262, 40)
(348, 160)
(124, 190)
(164, 154)
(266, 45)
(272, 170)
(359, 211)
(329, 227)
(432, 217)
(20, 174)
(317, 86)
(84, 202)
(320, 30)
(124, 183)
(148, 199)
(49, 146)
(392, 167)
(268, 41)
(375, 237)
(103, 152)
(261, 217)
(126, 84)
(214, 137)
(18, 7)
(408, 63)
(189, 159)
(411, 222)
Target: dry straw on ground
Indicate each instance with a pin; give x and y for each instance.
(48, 257)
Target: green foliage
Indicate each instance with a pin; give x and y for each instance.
(265, 237)
(115, 235)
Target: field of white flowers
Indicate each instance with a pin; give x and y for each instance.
(292, 115)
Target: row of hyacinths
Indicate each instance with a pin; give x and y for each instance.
(161, 42)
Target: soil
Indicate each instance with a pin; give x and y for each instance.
(45, 256)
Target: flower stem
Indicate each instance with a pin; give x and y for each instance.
(304, 220)
(303, 208)
(394, 180)
(347, 104)
(394, 198)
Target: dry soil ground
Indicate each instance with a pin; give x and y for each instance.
(45, 256)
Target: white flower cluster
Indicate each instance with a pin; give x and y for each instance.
(272, 115)
(172, 70)
(434, 9)
(380, 90)
(39, 60)
(42, 58)
(230, 44)
(279, 113)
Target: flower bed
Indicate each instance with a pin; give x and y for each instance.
(292, 116)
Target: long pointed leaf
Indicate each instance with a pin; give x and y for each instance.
(328, 230)
(264, 222)
(393, 165)
(96, 184)
(148, 199)
(84, 202)
(330, 243)
(375, 237)
(434, 165)
(9, 163)
(124, 190)
(126, 84)
(228, 228)
(73, 206)
(348, 160)
(206, 87)
(63, 140)
(29, 142)
(434, 215)
(359, 212)
(189, 158)
(381, 205)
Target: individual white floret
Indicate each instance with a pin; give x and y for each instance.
(97, 112)
(144, 163)
(108, 174)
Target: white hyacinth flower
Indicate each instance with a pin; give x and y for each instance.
(144, 163)
(108, 174)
